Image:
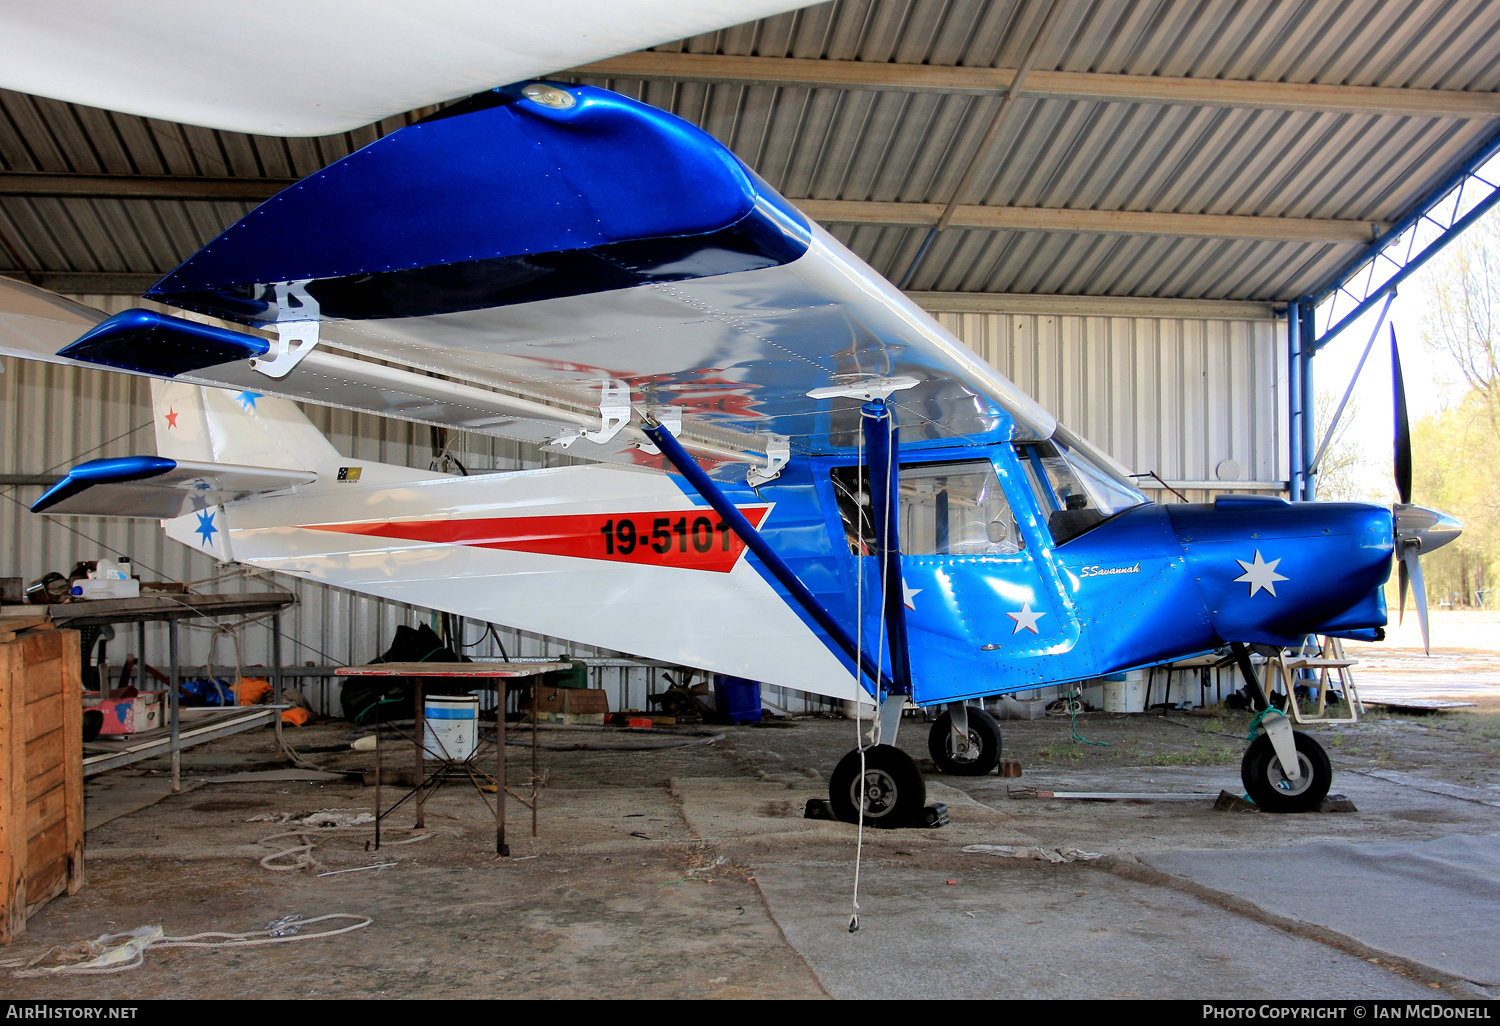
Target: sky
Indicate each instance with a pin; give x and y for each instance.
(1433, 380)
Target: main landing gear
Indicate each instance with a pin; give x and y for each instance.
(964, 741)
(1267, 768)
(884, 777)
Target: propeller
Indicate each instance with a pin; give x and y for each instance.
(1417, 530)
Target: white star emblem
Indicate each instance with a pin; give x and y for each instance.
(1260, 575)
(1025, 618)
(909, 595)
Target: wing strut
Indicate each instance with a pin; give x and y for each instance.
(705, 486)
(883, 441)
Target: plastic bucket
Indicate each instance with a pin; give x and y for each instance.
(738, 698)
(452, 726)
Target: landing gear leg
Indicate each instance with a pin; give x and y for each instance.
(1283, 770)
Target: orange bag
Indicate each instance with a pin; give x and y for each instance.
(252, 691)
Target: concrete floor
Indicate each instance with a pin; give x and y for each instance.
(691, 873)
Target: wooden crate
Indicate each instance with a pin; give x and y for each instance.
(41, 774)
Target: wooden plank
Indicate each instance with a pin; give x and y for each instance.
(12, 800)
(36, 648)
(44, 680)
(41, 774)
(1102, 87)
(46, 848)
(46, 811)
(73, 754)
(42, 718)
(44, 885)
(46, 775)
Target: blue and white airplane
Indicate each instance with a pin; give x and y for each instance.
(799, 477)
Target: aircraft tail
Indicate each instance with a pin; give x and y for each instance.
(215, 425)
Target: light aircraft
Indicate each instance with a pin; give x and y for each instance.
(799, 477)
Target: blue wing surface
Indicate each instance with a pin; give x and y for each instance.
(563, 247)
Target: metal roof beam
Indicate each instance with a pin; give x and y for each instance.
(1106, 222)
(160, 187)
(922, 215)
(91, 283)
(80, 283)
(1075, 85)
(1024, 304)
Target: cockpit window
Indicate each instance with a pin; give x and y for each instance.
(1077, 483)
(951, 509)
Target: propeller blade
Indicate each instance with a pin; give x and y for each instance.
(1401, 582)
(1403, 426)
(1410, 561)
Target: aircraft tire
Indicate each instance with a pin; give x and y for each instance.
(1267, 786)
(984, 745)
(895, 792)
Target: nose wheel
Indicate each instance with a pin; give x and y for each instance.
(892, 788)
(980, 756)
(1267, 783)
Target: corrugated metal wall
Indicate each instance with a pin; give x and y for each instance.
(1172, 396)
(1176, 397)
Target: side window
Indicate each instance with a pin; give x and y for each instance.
(945, 509)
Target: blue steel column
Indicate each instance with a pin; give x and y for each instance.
(756, 543)
(883, 440)
(1306, 320)
(1294, 400)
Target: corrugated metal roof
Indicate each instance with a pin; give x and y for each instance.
(847, 144)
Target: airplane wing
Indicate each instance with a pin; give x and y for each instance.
(301, 69)
(534, 261)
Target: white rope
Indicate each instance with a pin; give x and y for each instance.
(859, 648)
(121, 952)
(303, 852)
(875, 731)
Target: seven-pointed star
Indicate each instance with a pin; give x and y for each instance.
(1260, 574)
(909, 595)
(1024, 617)
(171, 418)
(206, 527)
(247, 399)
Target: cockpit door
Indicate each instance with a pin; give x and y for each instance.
(986, 609)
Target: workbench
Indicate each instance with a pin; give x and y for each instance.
(171, 609)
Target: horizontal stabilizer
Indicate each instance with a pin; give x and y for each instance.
(156, 488)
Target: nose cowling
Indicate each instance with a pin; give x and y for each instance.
(1271, 571)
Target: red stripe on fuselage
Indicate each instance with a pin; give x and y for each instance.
(694, 539)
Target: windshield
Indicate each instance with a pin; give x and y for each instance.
(1078, 484)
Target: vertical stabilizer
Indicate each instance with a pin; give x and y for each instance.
(216, 425)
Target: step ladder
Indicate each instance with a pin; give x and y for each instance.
(1333, 673)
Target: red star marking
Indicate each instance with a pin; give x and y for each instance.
(171, 418)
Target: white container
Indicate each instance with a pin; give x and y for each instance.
(94, 588)
(452, 726)
(1126, 693)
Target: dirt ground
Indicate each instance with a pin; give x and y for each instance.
(691, 872)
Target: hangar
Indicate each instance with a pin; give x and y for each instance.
(1122, 236)
(1150, 216)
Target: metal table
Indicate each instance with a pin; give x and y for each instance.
(471, 670)
(171, 609)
